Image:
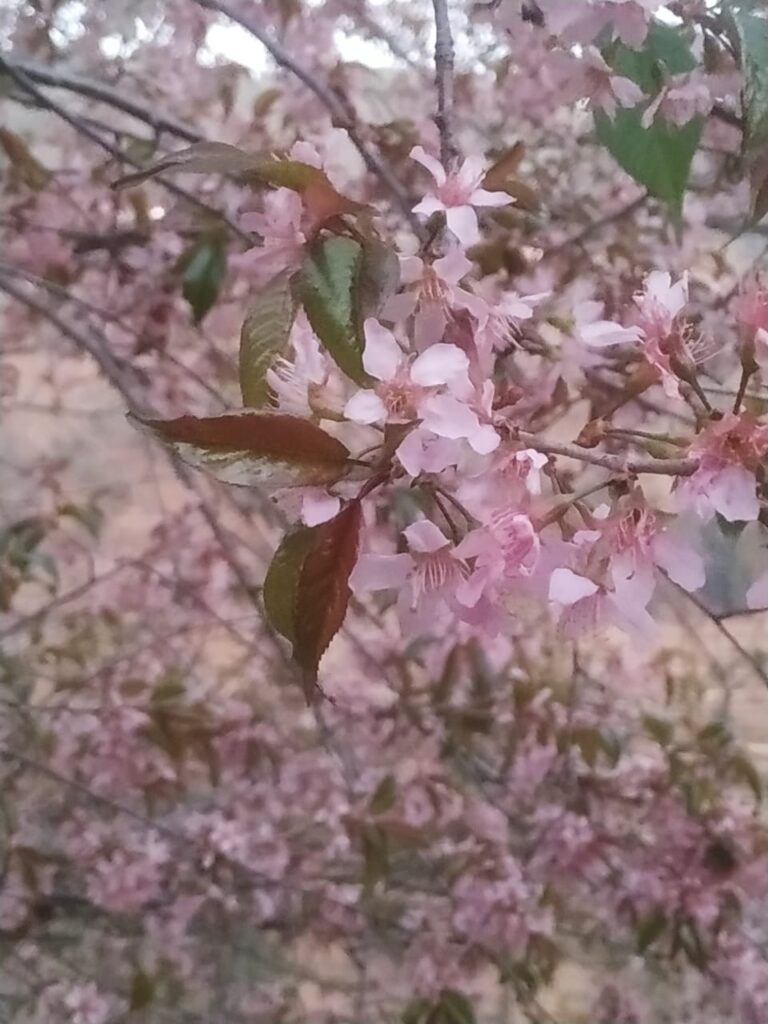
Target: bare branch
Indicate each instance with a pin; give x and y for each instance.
(620, 464)
(25, 83)
(444, 56)
(72, 82)
(341, 115)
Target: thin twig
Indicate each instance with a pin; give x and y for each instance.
(621, 464)
(341, 115)
(444, 57)
(27, 85)
(72, 82)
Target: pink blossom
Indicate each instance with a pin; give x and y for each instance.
(404, 387)
(433, 293)
(751, 311)
(283, 239)
(729, 452)
(429, 571)
(681, 99)
(456, 193)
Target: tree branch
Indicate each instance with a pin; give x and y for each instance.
(60, 79)
(28, 86)
(444, 55)
(340, 114)
(620, 464)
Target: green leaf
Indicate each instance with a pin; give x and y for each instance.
(456, 1008)
(142, 991)
(330, 294)
(658, 157)
(204, 268)
(375, 849)
(751, 26)
(281, 583)
(650, 928)
(414, 1011)
(384, 796)
(264, 336)
(250, 449)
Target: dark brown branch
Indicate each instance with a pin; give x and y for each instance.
(621, 464)
(444, 74)
(25, 83)
(72, 82)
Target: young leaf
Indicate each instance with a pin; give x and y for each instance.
(330, 295)
(323, 591)
(658, 157)
(264, 336)
(26, 167)
(281, 583)
(200, 158)
(204, 269)
(254, 448)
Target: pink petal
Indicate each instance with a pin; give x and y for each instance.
(318, 507)
(484, 440)
(438, 365)
(567, 587)
(603, 333)
(733, 495)
(429, 205)
(435, 168)
(380, 572)
(453, 266)
(365, 407)
(446, 416)
(382, 356)
(482, 197)
(424, 537)
(679, 560)
(462, 221)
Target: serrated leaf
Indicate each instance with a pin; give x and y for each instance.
(751, 27)
(658, 157)
(205, 267)
(281, 583)
(264, 336)
(251, 449)
(329, 289)
(323, 591)
(751, 24)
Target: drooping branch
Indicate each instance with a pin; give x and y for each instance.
(340, 113)
(444, 80)
(25, 83)
(72, 82)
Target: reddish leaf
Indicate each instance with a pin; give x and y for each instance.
(496, 177)
(254, 448)
(323, 591)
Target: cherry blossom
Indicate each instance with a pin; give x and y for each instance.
(457, 193)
